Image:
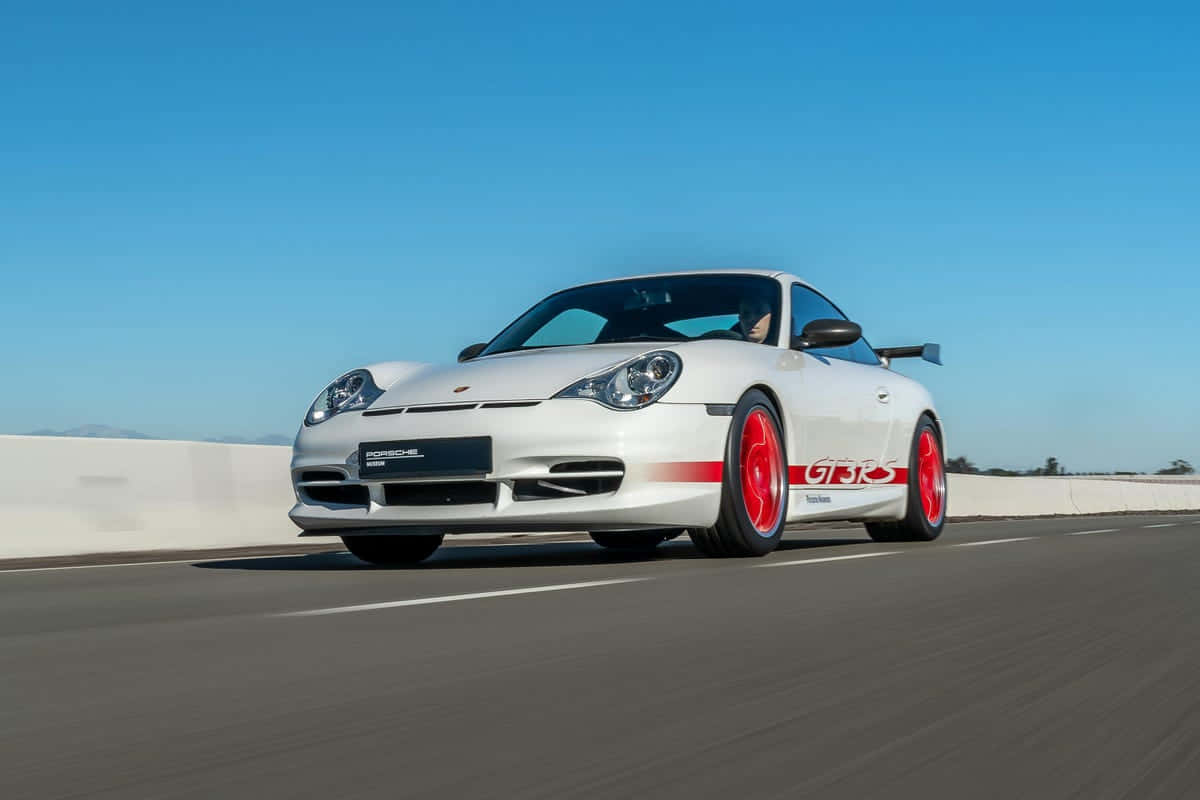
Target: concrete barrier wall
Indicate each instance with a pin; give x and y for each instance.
(985, 496)
(64, 496)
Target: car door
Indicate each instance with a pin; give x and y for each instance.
(840, 406)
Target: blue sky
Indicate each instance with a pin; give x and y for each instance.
(207, 213)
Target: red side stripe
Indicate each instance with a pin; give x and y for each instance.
(798, 474)
(687, 471)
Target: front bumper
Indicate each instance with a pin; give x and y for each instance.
(667, 450)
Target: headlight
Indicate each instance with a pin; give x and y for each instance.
(353, 391)
(635, 384)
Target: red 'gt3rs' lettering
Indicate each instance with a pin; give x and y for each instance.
(846, 471)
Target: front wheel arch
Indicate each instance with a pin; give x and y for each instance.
(937, 423)
(755, 467)
(781, 412)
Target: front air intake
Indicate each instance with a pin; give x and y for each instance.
(321, 475)
(346, 495)
(599, 465)
(572, 479)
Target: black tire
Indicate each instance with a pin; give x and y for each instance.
(916, 526)
(387, 551)
(735, 534)
(630, 541)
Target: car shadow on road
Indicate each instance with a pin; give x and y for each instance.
(550, 554)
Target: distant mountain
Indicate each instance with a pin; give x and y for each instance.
(270, 438)
(93, 432)
(109, 432)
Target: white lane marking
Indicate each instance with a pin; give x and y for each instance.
(195, 560)
(1163, 525)
(453, 598)
(97, 566)
(1089, 533)
(829, 558)
(995, 541)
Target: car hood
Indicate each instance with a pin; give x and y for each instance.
(525, 375)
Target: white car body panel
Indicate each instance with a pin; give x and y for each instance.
(834, 405)
(527, 442)
(847, 429)
(528, 375)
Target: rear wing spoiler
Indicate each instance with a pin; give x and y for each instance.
(928, 351)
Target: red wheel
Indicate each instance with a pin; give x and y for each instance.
(754, 484)
(925, 509)
(931, 477)
(761, 478)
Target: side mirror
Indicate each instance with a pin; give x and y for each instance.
(827, 333)
(471, 350)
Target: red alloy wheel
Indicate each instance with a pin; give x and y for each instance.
(762, 471)
(931, 477)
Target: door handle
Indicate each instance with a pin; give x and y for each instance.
(882, 394)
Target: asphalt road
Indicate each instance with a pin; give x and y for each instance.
(1007, 660)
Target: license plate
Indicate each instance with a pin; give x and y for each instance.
(418, 458)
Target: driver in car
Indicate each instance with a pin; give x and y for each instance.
(754, 319)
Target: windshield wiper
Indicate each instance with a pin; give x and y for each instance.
(521, 349)
(637, 338)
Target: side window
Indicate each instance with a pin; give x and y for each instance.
(807, 305)
(573, 326)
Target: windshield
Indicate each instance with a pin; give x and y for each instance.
(675, 308)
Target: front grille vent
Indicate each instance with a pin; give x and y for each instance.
(380, 412)
(578, 479)
(601, 465)
(542, 489)
(445, 407)
(433, 409)
(457, 493)
(347, 495)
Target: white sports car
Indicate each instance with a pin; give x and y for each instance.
(725, 404)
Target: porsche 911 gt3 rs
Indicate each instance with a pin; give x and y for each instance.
(724, 404)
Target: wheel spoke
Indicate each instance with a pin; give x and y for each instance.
(761, 468)
(931, 478)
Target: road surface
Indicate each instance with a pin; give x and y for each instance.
(1055, 658)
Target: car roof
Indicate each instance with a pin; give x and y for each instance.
(779, 275)
(766, 273)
